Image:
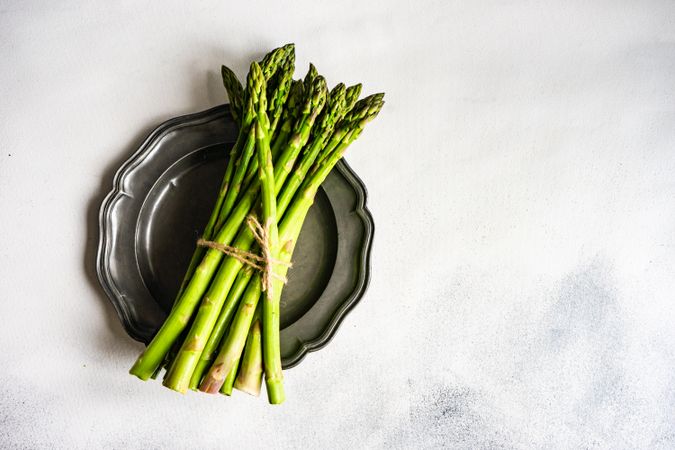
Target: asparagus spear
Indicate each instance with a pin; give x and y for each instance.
(274, 59)
(235, 92)
(289, 116)
(229, 380)
(270, 310)
(278, 97)
(204, 320)
(352, 96)
(269, 214)
(312, 73)
(241, 327)
(250, 374)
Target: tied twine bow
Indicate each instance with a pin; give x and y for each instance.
(263, 262)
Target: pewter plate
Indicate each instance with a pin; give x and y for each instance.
(161, 199)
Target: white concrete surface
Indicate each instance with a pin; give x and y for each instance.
(522, 179)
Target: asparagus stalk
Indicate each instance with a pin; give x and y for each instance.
(358, 112)
(229, 380)
(240, 169)
(291, 113)
(270, 309)
(279, 95)
(239, 328)
(250, 374)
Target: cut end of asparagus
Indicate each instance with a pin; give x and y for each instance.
(181, 388)
(227, 386)
(275, 391)
(250, 386)
(139, 370)
(210, 385)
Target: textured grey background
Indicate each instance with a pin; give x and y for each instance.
(522, 178)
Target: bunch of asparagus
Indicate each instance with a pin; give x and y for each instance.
(223, 330)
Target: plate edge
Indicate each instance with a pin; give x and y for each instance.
(126, 317)
(102, 269)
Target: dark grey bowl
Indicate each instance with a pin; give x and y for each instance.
(160, 201)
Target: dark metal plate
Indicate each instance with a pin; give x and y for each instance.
(160, 201)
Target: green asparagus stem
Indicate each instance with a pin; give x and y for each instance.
(299, 139)
(361, 110)
(210, 228)
(241, 167)
(271, 347)
(250, 374)
(290, 233)
(270, 309)
(229, 380)
(255, 88)
(235, 92)
(245, 275)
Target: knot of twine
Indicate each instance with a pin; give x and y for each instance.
(263, 262)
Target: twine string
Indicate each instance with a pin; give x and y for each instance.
(264, 263)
